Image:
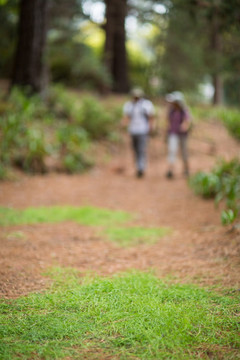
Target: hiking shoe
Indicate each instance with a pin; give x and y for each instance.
(169, 174)
(140, 173)
(186, 173)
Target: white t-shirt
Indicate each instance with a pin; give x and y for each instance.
(138, 112)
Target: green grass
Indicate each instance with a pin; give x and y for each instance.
(87, 215)
(129, 316)
(135, 235)
(90, 216)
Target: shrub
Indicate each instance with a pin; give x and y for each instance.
(222, 183)
(22, 141)
(231, 119)
(94, 119)
(73, 143)
(205, 184)
(76, 163)
(66, 121)
(61, 103)
(32, 155)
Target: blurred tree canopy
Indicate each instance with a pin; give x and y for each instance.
(192, 40)
(200, 40)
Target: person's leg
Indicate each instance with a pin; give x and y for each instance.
(139, 143)
(173, 141)
(184, 153)
(141, 154)
(135, 147)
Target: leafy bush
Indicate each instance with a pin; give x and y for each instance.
(22, 141)
(33, 153)
(94, 119)
(73, 142)
(61, 103)
(205, 184)
(231, 119)
(66, 121)
(222, 183)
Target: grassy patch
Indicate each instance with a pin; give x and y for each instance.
(131, 316)
(90, 216)
(87, 215)
(135, 235)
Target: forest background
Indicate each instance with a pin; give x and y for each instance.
(114, 45)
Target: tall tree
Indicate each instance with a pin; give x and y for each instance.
(115, 49)
(8, 21)
(29, 67)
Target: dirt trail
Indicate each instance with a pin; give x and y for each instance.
(199, 249)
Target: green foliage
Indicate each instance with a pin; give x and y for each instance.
(231, 119)
(134, 315)
(228, 217)
(34, 152)
(22, 140)
(97, 122)
(73, 142)
(75, 64)
(85, 112)
(76, 163)
(61, 103)
(183, 64)
(222, 183)
(232, 84)
(64, 125)
(203, 112)
(206, 184)
(139, 65)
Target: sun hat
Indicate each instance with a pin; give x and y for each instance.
(137, 92)
(176, 97)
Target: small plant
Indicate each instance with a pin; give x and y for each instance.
(222, 183)
(205, 184)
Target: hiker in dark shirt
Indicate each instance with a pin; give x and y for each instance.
(178, 125)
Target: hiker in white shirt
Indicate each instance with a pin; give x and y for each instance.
(139, 115)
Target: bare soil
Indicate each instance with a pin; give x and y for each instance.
(198, 250)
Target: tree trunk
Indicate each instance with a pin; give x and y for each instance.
(218, 89)
(29, 69)
(216, 46)
(115, 47)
